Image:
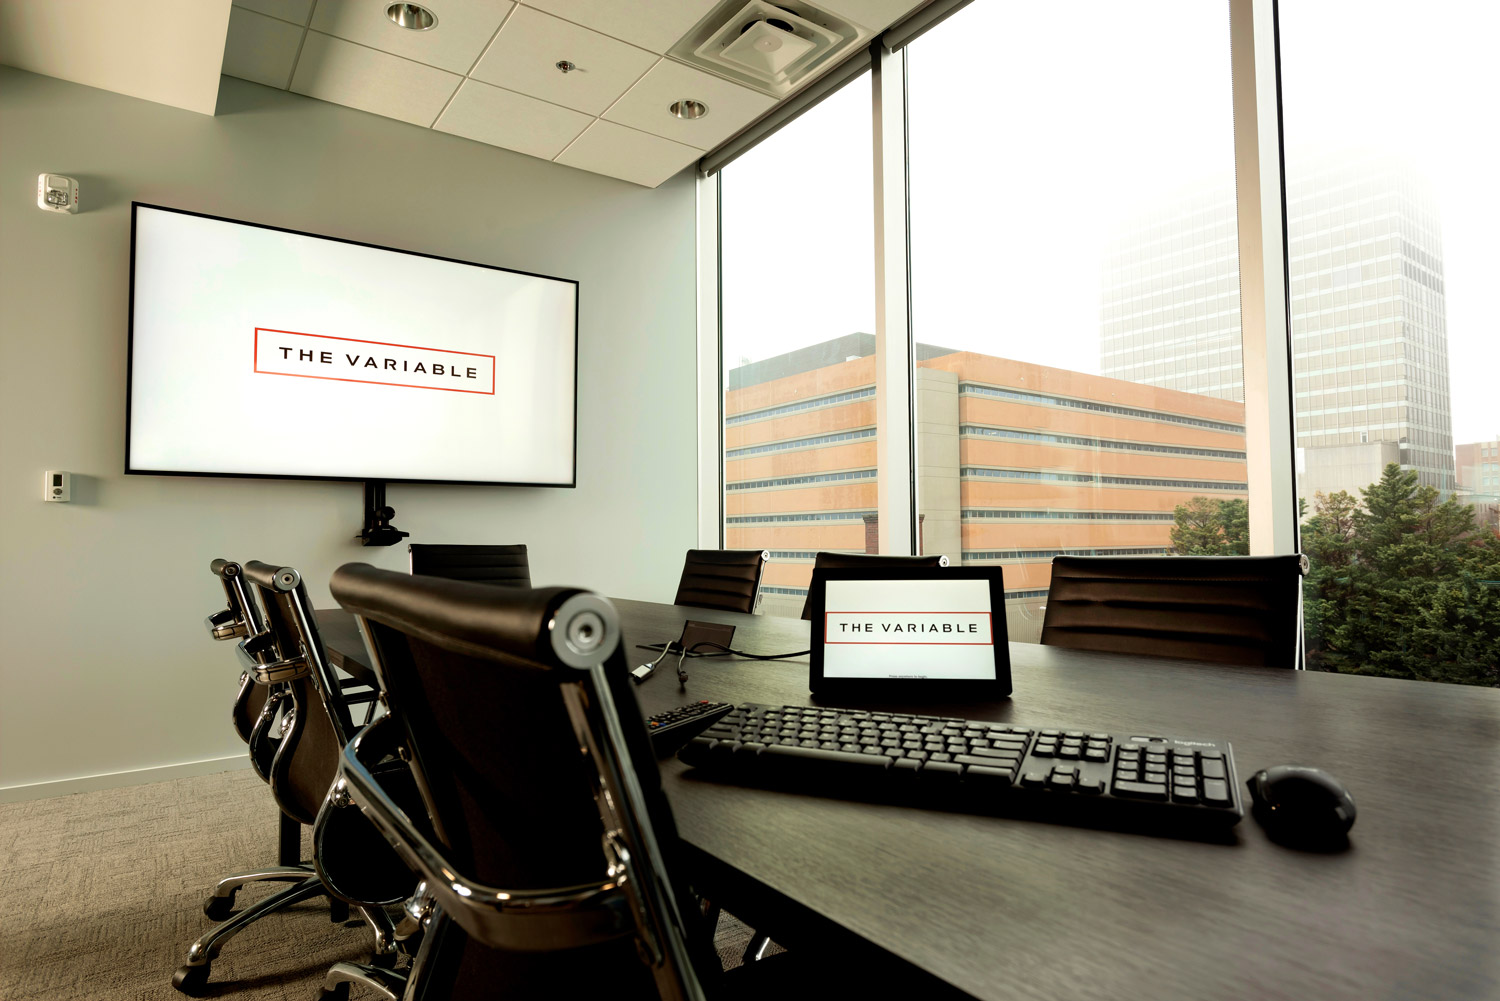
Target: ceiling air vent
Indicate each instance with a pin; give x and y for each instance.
(772, 47)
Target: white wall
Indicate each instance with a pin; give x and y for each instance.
(104, 663)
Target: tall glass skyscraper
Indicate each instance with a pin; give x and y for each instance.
(1369, 325)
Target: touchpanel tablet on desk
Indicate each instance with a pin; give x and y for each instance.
(898, 633)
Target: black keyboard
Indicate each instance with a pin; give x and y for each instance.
(951, 763)
(675, 727)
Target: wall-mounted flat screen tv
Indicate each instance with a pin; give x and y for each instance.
(257, 351)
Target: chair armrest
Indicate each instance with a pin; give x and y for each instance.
(225, 625)
(523, 920)
(251, 651)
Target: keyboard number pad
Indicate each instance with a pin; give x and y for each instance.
(1156, 772)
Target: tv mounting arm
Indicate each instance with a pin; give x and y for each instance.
(378, 530)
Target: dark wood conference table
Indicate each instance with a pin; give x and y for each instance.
(1016, 909)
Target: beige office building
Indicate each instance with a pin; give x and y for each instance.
(1369, 324)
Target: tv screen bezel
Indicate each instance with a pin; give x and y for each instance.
(374, 477)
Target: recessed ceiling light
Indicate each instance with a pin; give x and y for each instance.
(688, 109)
(410, 15)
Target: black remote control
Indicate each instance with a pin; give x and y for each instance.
(675, 727)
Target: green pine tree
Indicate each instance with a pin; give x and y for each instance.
(1398, 585)
(1402, 583)
(1208, 527)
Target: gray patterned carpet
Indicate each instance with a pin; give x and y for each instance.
(101, 893)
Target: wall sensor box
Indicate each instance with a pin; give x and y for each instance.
(56, 193)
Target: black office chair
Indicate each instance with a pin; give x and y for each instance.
(240, 618)
(824, 561)
(285, 655)
(727, 579)
(1229, 609)
(503, 565)
(552, 868)
(254, 716)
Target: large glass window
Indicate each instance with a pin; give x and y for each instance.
(798, 304)
(1075, 287)
(1391, 226)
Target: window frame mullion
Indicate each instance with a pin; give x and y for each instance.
(894, 357)
(1265, 324)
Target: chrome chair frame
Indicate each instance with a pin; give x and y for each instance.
(242, 618)
(265, 664)
(633, 898)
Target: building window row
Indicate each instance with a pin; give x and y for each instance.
(794, 443)
(808, 554)
(800, 517)
(800, 481)
(1014, 514)
(1112, 481)
(985, 555)
(1065, 439)
(977, 389)
(801, 592)
(814, 403)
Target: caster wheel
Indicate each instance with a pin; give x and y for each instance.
(191, 980)
(386, 961)
(219, 908)
(338, 910)
(339, 992)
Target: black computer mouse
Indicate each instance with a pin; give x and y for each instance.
(1300, 806)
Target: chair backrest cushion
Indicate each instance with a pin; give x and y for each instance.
(249, 700)
(468, 680)
(1229, 609)
(506, 566)
(726, 579)
(855, 560)
(307, 756)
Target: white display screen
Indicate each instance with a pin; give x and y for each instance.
(908, 629)
(258, 352)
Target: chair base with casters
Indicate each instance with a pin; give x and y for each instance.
(220, 903)
(387, 984)
(192, 977)
(378, 977)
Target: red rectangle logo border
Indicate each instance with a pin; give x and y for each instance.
(255, 360)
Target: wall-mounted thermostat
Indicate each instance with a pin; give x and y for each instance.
(56, 193)
(57, 486)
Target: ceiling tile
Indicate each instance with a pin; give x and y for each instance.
(877, 15)
(463, 29)
(514, 121)
(260, 49)
(295, 11)
(524, 56)
(332, 69)
(614, 150)
(730, 106)
(656, 25)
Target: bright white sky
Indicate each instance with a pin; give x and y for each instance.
(1035, 128)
